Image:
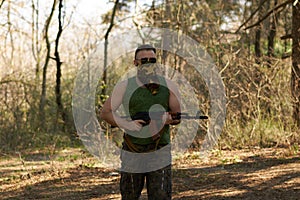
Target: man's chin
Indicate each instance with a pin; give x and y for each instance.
(147, 80)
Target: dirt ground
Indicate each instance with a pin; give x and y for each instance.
(253, 174)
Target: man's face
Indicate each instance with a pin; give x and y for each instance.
(145, 62)
(143, 55)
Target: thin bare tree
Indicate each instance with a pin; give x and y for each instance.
(45, 67)
(58, 93)
(111, 25)
(36, 46)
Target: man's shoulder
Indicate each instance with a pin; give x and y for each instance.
(122, 84)
(170, 83)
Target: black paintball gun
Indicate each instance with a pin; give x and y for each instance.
(148, 116)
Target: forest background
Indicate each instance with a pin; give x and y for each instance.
(255, 46)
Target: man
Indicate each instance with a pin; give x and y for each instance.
(143, 93)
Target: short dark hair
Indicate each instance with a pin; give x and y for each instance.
(144, 47)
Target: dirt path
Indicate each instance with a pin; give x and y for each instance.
(247, 174)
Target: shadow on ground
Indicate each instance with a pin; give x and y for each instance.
(270, 179)
(255, 178)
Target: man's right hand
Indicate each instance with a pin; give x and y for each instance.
(135, 125)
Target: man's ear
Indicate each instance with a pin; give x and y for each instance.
(135, 63)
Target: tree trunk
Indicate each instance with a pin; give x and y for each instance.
(166, 39)
(272, 35)
(295, 76)
(44, 81)
(60, 108)
(257, 44)
(258, 36)
(104, 77)
(36, 47)
(10, 32)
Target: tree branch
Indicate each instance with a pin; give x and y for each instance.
(2, 3)
(288, 36)
(269, 13)
(251, 16)
(112, 19)
(286, 55)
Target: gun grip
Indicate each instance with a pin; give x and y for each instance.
(176, 116)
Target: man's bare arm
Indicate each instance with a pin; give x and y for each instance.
(108, 112)
(174, 103)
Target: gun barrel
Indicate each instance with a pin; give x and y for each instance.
(146, 116)
(187, 116)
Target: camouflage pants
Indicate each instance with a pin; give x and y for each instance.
(158, 183)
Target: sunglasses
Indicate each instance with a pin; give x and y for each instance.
(147, 60)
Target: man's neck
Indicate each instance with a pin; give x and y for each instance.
(138, 82)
